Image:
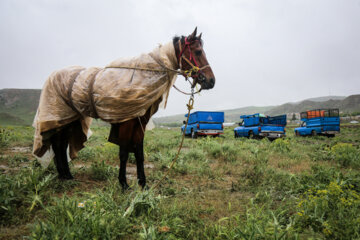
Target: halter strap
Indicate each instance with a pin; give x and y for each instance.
(194, 66)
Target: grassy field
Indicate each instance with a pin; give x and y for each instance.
(220, 188)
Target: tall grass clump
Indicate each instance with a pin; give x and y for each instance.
(333, 211)
(101, 171)
(87, 154)
(346, 155)
(259, 222)
(98, 216)
(4, 137)
(22, 193)
(281, 145)
(217, 148)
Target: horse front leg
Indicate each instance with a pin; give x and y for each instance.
(59, 142)
(139, 155)
(123, 155)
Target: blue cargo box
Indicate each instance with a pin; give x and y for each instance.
(276, 120)
(260, 119)
(206, 117)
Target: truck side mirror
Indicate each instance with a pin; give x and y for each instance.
(184, 122)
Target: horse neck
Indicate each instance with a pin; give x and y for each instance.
(166, 53)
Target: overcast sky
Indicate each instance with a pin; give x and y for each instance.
(262, 52)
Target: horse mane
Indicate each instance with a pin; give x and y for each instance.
(182, 38)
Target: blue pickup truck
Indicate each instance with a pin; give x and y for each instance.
(260, 126)
(319, 122)
(204, 123)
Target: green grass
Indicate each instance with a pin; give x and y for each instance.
(220, 188)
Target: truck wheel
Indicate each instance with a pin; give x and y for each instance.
(193, 134)
(313, 133)
(330, 135)
(251, 135)
(235, 135)
(297, 133)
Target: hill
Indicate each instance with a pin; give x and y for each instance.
(18, 106)
(345, 104)
(324, 99)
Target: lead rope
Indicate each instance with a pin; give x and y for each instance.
(190, 106)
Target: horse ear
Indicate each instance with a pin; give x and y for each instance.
(200, 36)
(193, 35)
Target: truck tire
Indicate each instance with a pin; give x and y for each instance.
(235, 135)
(193, 134)
(313, 133)
(251, 135)
(297, 133)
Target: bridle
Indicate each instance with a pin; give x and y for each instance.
(195, 70)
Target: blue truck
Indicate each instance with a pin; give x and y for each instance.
(260, 126)
(203, 123)
(319, 122)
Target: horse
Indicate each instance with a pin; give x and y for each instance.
(189, 59)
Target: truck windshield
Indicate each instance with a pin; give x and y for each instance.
(303, 124)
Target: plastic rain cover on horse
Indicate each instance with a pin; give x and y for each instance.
(123, 90)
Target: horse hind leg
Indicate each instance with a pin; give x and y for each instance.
(59, 143)
(123, 155)
(139, 155)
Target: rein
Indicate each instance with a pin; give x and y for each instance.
(190, 106)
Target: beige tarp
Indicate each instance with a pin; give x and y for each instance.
(118, 94)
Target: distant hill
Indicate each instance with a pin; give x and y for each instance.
(18, 106)
(345, 104)
(323, 99)
(231, 115)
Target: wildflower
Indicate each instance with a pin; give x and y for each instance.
(300, 213)
(164, 229)
(81, 205)
(326, 229)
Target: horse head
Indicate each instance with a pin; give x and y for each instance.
(192, 60)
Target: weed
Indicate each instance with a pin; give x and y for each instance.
(101, 171)
(332, 211)
(346, 155)
(4, 137)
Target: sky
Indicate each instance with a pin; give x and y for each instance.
(262, 52)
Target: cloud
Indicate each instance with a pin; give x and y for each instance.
(262, 52)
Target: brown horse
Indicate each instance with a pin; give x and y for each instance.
(129, 134)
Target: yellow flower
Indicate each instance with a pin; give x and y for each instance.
(301, 213)
(81, 205)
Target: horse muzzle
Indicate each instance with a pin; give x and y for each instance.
(204, 82)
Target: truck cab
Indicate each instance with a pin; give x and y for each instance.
(319, 122)
(260, 126)
(203, 123)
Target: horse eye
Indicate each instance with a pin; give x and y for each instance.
(198, 53)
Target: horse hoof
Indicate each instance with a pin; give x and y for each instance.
(66, 177)
(142, 183)
(125, 186)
